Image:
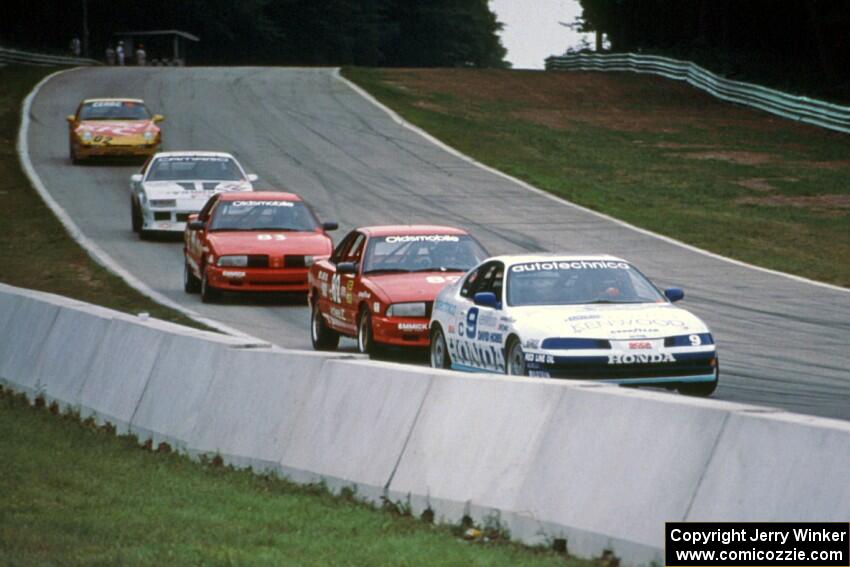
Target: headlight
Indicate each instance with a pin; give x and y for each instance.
(148, 136)
(86, 136)
(233, 261)
(163, 202)
(406, 310)
(308, 261)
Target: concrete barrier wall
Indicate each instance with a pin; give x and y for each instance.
(600, 466)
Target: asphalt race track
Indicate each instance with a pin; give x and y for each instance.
(782, 342)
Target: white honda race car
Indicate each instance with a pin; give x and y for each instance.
(582, 317)
(173, 185)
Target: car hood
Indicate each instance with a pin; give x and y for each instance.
(633, 321)
(270, 243)
(192, 189)
(117, 128)
(421, 286)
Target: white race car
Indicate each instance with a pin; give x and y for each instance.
(582, 317)
(173, 185)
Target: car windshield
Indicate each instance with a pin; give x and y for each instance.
(114, 110)
(194, 168)
(422, 253)
(272, 215)
(574, 282)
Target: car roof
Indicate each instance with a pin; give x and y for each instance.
(117, 99)
(260, 196)
(410, 230)
(511, 259)
(190, 153)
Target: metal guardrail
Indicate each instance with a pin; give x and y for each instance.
(18, 57)
(799, 108)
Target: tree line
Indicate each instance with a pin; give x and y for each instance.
(412, 33)
(792, 43)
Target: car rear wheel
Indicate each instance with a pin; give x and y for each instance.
(209, 294)
(322, 336)
(365, 336)
(191, 283)
(440, 357)
(515, 359)
(700, 389)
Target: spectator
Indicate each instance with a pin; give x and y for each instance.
(120, 52)
(110, 55)
(141, 56)
(76, 46)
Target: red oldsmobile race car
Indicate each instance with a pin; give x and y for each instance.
(381, 281)
(258, 241)
(113, 127)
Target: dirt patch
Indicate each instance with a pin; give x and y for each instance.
(741, 158)
(834, 204)
(757, 184)
(428, 105)
(837, 165)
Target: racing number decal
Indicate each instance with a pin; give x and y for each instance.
(336, 289)
(104, 139)
(472, 323)
(695, 340)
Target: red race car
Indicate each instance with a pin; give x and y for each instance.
(381, 281)
(258, 241)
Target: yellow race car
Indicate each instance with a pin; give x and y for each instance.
(113, 127)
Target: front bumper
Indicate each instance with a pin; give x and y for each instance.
(662, 369)
(259, 279)
(401, 331)
(84, 151)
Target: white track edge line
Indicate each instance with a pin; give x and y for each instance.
(95, 251)
(404, 123)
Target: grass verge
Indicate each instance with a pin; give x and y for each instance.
(653, 152)
(74, 493)
(35, 250)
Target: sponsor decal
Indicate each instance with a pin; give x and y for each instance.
(451, 329)
(422, 238)
(108, 104)
(488, 337)
(418, 327)
(262, 204)
(531, 343)
(324, 288)
(277, 237)
(193, 158)
(445, 307)
(349, 298)
(503, 327)
(323, 276)
(640, 345)
(469, 353)
(655, 358)
(229, 274)
(571, 265)
(376, 307)
(628, 325)
(441, 279)
(364, 295)
(541, 358)
(337, 312)
(487, 320)
(583, 317)
(349, 285)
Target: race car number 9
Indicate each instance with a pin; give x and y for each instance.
(695, 340)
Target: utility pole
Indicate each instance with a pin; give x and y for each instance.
(86, 28)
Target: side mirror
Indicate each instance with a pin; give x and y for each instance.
(674, 293)
(196, 225)
(136, 178)
(158, 118)
(347, 267)
(486, 299)
(252, 177)
(330, 226)
(71, 118)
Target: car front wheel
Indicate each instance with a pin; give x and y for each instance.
(440, 357)
(191, 283)
(700, 389)
(515, 359)
(209, 294)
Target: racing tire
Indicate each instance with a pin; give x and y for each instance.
(440, 357)
(365, 337)
(136, 214)
(515, 358)
(73, 155)
(191, 283)
(322, 336)
(700, 389)
(209, 294)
